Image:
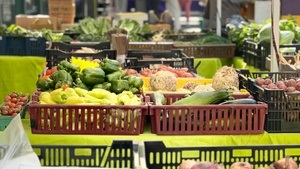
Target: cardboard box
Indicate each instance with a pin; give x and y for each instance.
(36, 22)
(296, 17)
(65, 10)
(140, 17)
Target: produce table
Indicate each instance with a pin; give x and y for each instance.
(172, 140)
(19, 73)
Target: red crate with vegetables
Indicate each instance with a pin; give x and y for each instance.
(86, 97)
(206, 109)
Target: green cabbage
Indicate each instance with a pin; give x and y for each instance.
(265, 34)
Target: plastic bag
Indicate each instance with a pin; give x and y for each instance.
(15, 148)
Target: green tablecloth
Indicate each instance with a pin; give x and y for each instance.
(19, 73)
(209, 66)
(169, 140)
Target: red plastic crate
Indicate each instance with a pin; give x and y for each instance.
(87, 119)
(207, 119)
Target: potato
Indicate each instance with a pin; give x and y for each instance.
(291, 83)
(279, 83)
(205, 165)
(290, 89)
(241, 165)
(187, 164)
(285, 163)
(272, 86)
(298, 86)
(267, 81)
(282, 87)
(259, 81)
(286, 82)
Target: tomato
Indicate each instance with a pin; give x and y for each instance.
(131, 72)
(184, 69)
(48, 72)
(11, 105)
(146, 72)
(13, 95)
(171, 69)
(180, 73)
(19, 106)
(14, 100)
(23, 99)
(10, 111)
(53, 69)
(187, 74)
(162, 68)
(7, 98)
(64, 87)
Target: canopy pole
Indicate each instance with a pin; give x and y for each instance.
(276, 17)
(218, 17)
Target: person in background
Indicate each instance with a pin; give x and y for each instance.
(154, 6)
(174, 7)
(141, 5)
(186, 6)
(229, 8)
(120, 5)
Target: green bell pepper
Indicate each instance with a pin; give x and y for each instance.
(112, 62)
(69, 67)
(135, 81)
(62, 77)
(109, 67)
(92, 76)
(105, 85)
(118, 86)
(80, 84)
(45, 83)
(115, 75)
(134, 90)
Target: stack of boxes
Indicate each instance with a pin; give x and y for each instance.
(63, 10)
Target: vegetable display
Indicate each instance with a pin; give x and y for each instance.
(91, 30)
(14, 103)
(108, 75)
(96, 96)
(289, 32)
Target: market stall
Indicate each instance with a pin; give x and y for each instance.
(98, 99)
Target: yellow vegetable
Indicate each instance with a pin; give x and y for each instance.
(71, 92)
(81, 92)
(75, 100)
(99, 93)
(45, 98)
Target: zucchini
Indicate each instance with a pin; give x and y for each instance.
(157, 98)
(240, 101)
(204, 98)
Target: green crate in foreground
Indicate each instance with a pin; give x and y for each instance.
(159, 156)
(120, 154)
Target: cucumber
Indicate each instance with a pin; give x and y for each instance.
(204, 98)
